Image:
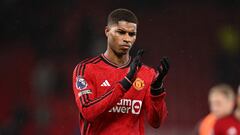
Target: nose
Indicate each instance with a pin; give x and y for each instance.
(127, 39)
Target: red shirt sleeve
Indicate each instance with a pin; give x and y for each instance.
(89, 105)
(155, 108)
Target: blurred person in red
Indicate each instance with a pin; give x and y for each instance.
(113, 91)
(229, 125)
(221, 103)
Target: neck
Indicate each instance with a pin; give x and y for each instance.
(115, 58)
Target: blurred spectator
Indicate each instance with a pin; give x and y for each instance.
(229, 125)
(17, 123)
(221, 103)
(43, 78)
(43, 82)
(16, 94)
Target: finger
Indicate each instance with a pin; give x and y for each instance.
(166, 64)
(164, 68)
(160, 68)
(139, 65)
(138, 58)
(140, 52)
(135, 63)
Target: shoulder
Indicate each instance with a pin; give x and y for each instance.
(86, 64)
(224, 122)
(208, 120)
(207, 124)
(227, 118)
(90, 60)
(226, 125)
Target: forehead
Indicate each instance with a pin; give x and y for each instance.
(217, 96)
(126, 26)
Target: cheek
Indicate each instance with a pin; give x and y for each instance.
(215, 105)
(133, 39)
(116, 39)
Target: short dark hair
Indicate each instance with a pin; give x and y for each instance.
(121, 14)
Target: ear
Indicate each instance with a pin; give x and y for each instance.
(107, 29)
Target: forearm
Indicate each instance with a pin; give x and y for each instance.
(156, 106)
(91, 109)
(156, 110)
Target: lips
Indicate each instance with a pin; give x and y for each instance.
(125, 46)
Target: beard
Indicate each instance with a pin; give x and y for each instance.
(121, 52)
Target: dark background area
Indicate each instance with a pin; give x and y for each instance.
(43, 40)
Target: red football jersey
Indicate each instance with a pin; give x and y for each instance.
(106, 107)
(227, 126)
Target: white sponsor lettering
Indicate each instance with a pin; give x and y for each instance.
(127, 106)
(120, 109)
(126, 102)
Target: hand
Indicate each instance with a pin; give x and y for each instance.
(162, 70)
(134, 67)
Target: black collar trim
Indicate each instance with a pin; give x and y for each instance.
(113, 64)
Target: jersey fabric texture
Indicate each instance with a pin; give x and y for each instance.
(227, 126)
(106, 107)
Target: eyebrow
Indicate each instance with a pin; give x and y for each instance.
(122, 29)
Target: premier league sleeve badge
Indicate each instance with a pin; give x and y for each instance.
(81, 83)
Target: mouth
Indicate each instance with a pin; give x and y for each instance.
(125, 46)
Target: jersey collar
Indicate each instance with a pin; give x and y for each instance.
(113, 64)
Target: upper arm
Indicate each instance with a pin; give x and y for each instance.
(83, 86)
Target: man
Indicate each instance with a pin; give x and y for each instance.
(221, 103)
(229, 125)
(113, 91)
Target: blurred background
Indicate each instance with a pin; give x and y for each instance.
(43, 40)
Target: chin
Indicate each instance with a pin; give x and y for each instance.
(123, 52)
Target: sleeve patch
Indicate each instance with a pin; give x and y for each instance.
(84, 92)
(81, 83)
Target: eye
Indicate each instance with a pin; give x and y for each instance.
(131, 34)
(121, 32)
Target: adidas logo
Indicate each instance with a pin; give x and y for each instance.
(105, 83)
